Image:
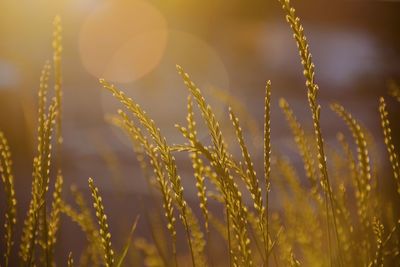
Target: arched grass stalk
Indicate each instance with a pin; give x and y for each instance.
(135, 133)
(236, 212)
(364, 169)
(166, 156)
(252, 184)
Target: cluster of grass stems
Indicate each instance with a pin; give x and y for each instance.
(335, 218)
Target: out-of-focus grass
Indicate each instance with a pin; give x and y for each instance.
(338, 218)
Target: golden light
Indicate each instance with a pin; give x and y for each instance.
(123, 40)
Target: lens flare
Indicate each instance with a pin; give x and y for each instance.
(123, 40)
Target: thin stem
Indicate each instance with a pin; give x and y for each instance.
(188, 236)
(174, 252)
(229, 236)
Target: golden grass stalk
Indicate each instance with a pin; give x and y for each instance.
(196, 236)
(387, 132)
(309, 74)
(298, 208)
(361, 142)
(197, 164)
(57, 57)
(236, 104)
(43, 162)
(363, 168)
(55, 214)
(7, 177)
(36, 220)
(302, 144)
(252, 184)
(93, 254)
(232, 196)
(102, 221)
(354, 179)
(267, 165)
(351, 162)
(136, 134)
(29, 232)
(165, 153)
(42, 96)
(378, 229)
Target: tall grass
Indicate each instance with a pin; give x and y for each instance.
(317, 224)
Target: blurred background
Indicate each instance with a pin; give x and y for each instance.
(227, 46)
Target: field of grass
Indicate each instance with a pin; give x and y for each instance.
(338, 218)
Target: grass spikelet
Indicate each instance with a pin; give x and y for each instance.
(232, 197)
(387, 132)
(236, 104)
(351, 162)
(197, 164)
(309, 74)
(43, 163)
(36, 216)
(57, 57)
(252, 184)
(378, 231)
(209, 117)
(302, 144)
(363, 159)
(55, 214)
(267, 164)
(7, 178)
(303, 47)
(165, 152)
(93, 253)
(43, 88)
(298, 208)
(361, 142)
(29, 231)
(102, 221)
(196, 236)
